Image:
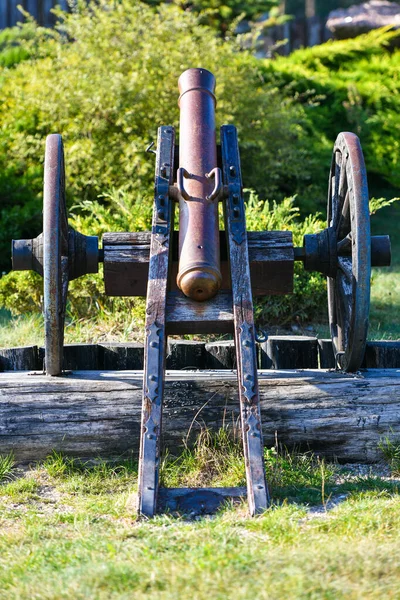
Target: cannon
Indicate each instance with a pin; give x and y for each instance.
(202, 280)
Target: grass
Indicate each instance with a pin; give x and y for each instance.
(6, 466)
(390, 449)
(69, 531)
(385, 289)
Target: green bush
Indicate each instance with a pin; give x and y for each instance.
(107, 93)
(106, 78)
(349, 85)
(308, 300)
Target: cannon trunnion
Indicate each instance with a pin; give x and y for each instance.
(202, 280)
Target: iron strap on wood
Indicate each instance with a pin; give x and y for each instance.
(257, 491)
(155, 333)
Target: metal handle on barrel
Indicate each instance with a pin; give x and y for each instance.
(199, 275)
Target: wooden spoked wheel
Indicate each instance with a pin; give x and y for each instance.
(348, 220)
(55, 253)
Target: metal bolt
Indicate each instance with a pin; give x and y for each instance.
(153, 345)
(260, 487)
(150, 436)
(232, 171)
(253, 434)
(152, 378)
(246, 343)
(235, 198)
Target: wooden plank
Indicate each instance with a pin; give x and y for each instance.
(3, 14)
(24, 358)
(244, 329)
(48, 17)
(126, 258)
(97, 414)
(185, 354)
(188, 316)
(14, 15)
(382, 355)
(32, 6)
(283, 352)
(326, 354)
(81, 356)
(155, 328)
(220, 355)
(121, 357)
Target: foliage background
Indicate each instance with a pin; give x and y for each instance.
(106, 78)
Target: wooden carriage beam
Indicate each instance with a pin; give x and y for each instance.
(126, 262)
(97, 414)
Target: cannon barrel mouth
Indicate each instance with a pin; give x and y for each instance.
(199, 282)
(196, 80)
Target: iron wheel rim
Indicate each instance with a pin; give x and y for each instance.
(348, 215)
(55, 253)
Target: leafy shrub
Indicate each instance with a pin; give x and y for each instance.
(107, 93)
(308, 300)
(348, 85)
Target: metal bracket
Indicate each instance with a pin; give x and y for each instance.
(181, 174)
(233, 185)
(215, 174)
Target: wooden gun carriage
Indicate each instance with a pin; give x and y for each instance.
(201, 279)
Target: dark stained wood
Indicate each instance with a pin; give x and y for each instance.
(244, 330)
(188, 316)
(126, 257)
(220, 355)
(116, 357)
(382, 355)
(282, 352)
(326, 355)
(97, 414)
(185, 352)
(155, 327)
(81, 356)
(24, 358)
(216, 355)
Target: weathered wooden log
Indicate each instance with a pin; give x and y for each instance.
(93, 414)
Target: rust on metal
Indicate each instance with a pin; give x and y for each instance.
(199, 183)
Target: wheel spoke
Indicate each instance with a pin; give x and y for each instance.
(335, 183)
(345, 265)
(343, 223)
(344, 245)
(344, 298)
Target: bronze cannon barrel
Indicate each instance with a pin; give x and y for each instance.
(199, 275)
